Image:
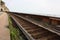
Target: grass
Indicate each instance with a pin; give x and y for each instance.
(15, 34)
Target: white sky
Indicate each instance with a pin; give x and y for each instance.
(39, 7)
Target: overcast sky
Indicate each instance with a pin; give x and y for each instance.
(40, 7)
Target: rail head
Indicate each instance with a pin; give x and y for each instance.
(58, 33)
(29, 37)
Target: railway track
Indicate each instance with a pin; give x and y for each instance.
(32, 31)
(51, 28)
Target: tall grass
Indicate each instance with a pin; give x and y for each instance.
(15, 34)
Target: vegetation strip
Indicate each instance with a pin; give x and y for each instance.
(15, 33)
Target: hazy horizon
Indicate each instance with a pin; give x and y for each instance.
(39, 7)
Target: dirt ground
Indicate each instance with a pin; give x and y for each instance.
(4, 31)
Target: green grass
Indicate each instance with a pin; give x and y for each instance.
(14, 32)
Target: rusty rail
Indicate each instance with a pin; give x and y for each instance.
(33, 31)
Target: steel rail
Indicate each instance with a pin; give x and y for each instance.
(29, 37)
(36, 23)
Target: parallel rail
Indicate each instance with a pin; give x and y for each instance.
(33, 31)
(48, 27)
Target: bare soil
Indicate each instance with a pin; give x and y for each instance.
(4, 31)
